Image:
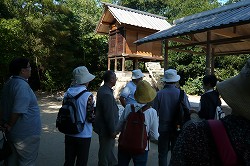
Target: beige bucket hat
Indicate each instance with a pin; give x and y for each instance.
(144, 93)
(236, 92)
(81, 75)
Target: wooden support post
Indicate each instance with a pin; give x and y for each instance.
(135, 64)
(208, 56)
(212, 61)
(123, 64)
(165, 53)
(108, 63)
(115, 69)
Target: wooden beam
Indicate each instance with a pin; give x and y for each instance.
(106, 23)
(215, 42)
(227, 33)
(233, 52)
(180, 40)
(187, 51)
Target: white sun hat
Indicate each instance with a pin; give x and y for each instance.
(235, 92)
(171, 75)
(136, 74)
(81, 75)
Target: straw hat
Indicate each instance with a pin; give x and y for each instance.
(144, 93)
(136, 74)
(236, 92)
(81, 75)
(170, 75)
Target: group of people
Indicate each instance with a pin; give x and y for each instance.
(20, 118)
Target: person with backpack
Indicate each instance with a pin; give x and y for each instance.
(166, 104)
(77, 145)
(138, 124)
(198, 144)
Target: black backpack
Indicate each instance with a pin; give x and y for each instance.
(68, 118)
(182, 114)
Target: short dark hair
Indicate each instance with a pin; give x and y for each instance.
(108, 75)
(17, 64)
(210, 79)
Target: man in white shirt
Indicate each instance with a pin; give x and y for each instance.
(127, 94)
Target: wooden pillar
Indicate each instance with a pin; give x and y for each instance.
(123, 64)
(208, 55)
(108, 63)
(135, 64)
(165, 53)
(115, 69)
(212, 61)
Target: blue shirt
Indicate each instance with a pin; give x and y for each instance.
(165, 103)
(18, 97)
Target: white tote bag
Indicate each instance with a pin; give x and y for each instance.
(219, 114)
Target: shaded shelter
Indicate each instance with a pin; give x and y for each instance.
(218, 32)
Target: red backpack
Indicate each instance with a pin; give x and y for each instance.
(133, 138)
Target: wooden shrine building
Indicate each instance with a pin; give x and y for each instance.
(124, 26)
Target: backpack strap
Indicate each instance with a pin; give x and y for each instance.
(181, 96)
(145, 108)
(142, 109)
(223, 144)
(132, 107)
(178, 113)
(79, 94)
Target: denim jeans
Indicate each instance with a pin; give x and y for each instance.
(138, 160)
(164, 141)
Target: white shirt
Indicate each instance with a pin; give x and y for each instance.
(128, 93)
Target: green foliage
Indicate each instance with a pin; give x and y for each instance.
(228, 66)
(182, 8)
(48, 83)
(193, 86)
(56, 35)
